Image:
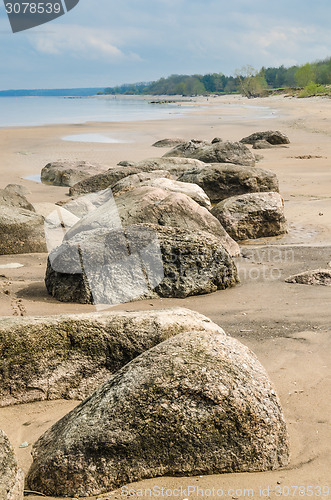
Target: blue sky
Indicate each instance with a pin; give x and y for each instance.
(105, 42)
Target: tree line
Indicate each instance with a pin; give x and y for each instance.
(247, 81)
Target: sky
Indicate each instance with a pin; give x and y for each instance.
(102, 43)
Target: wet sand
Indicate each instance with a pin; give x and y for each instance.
(286, 325)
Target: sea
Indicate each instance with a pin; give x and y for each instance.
(37, 111)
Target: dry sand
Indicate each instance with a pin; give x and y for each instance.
(286, 325)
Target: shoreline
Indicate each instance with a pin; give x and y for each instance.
(286, 325)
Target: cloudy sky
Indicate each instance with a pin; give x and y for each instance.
(106, 42)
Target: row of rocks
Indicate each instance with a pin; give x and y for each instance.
(179, 398)
(271, 137)
(114, 249)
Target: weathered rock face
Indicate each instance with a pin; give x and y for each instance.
(155, 206)
(192, 190)
(187, 149)
(262, 144)
(176, 165)
(219, 152)
(96, 266)
(68, 173)
(315, 277)
(220, 181)
(168, 143)
(271, 136)
(11, 197)
(135, 180)
(253, 215)
(69, 356)
(11, 477)
(85, 204)
(198, 403)
(105, 180)
(22, 231)
(17, 188)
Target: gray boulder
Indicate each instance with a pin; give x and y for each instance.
(105, 180)
(253, 215)
(271, 136)
(198, 403)
(187, 149)
(155, 206)
(22, 231)
(315, 277)
(219, 152)
(263, 144)
(192, 190)
(135, 180)
(176, 165)
(13, 197)
(220, 181)
(85, 204)
(71, 355)
(17, 188)
(11, 477)
(68, 173)
(168, 143)
(103, 266)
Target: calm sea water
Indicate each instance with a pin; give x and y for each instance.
(34, 111)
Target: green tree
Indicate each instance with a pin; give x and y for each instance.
(305, 74)
(252, 82)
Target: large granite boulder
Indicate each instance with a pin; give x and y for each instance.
(103, 266)
(220, 181)
(175, 165)
(68, 173)
(11, 477)
(12, 196)
(22, 231)
(219, 152)
(253, 215)
(168, 143)
(156, 206)
(187, 148)
(135, 180)
(198, 403)
(104, 180)
(273, 137)
(192, 190)
(71, 355)
(85, 204)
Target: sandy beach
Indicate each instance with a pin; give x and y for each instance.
(286, 325)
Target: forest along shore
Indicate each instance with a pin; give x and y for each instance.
(285, 324)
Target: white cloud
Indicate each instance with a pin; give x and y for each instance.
(79, 41)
